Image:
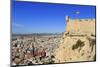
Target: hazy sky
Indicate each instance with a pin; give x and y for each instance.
(32, 17)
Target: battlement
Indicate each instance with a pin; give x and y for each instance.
(80, 26)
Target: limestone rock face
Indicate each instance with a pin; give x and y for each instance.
(79, 45)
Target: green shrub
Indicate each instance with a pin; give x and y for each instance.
(78, 44)
(51, 62)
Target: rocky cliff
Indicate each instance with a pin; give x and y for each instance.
(78, 42)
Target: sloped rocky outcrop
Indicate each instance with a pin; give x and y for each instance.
(79, 45)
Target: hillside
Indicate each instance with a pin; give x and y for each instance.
(78, 42)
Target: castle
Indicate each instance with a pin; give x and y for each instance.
(80, 26)
(78, 42)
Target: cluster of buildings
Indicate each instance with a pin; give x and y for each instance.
(29, 50)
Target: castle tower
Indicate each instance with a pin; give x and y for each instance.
(67, 18)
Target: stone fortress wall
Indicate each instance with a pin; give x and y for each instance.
(80, 26)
